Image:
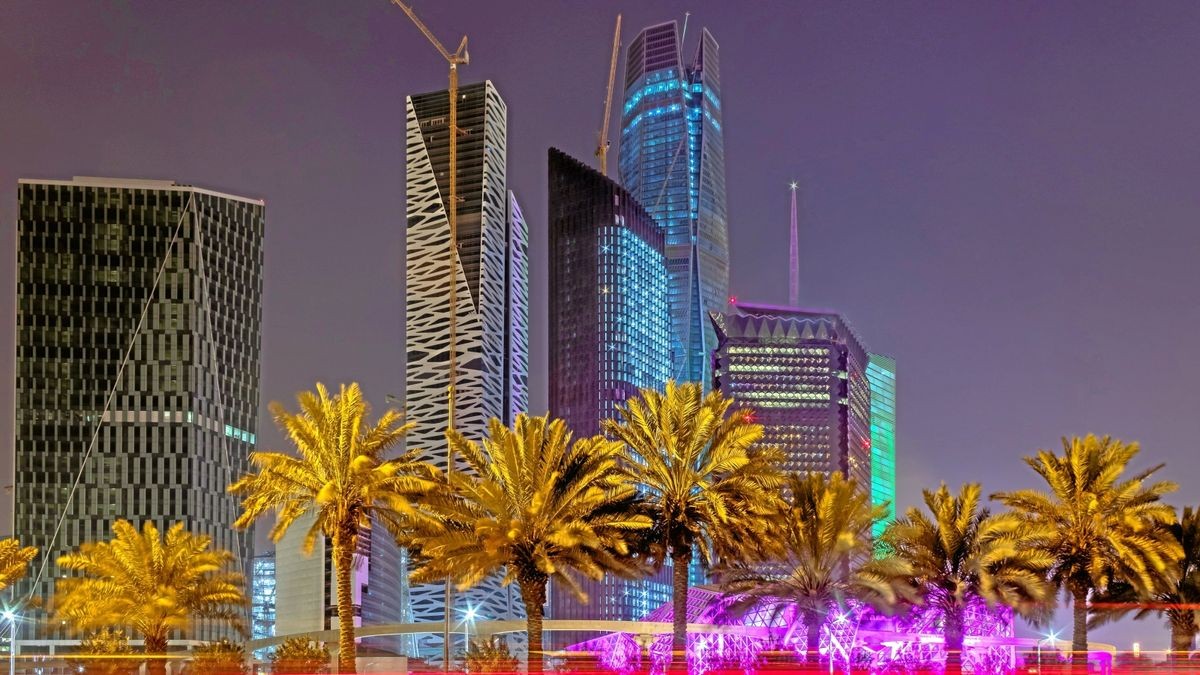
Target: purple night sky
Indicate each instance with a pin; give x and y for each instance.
(1003, 196)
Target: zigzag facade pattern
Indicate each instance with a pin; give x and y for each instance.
(492, 333)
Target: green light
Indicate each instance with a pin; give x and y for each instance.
(881, 375)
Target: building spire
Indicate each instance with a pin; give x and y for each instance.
(794, 254)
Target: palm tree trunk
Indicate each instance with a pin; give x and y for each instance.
(953, 641)
(812, 647)
(1183, 632)
(533, 593)
(343, 561)
(1079, 634)
(155, 648)
(681, 559)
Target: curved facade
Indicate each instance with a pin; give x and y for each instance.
(672, 160)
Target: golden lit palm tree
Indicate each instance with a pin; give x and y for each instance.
(152, 584)
(821, 555)
(709, 485)
(341, 477)
(962, 553)
(535, 505)
(14, 561)
(1176, 601)
(1099, 527)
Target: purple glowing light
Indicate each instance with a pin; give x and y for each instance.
(853, 636)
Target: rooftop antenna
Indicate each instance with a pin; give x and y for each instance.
(683, 35)
(794, 254)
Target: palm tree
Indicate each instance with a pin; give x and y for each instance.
(533, 504)
(341, 477)
(709, 486)
(152, 584)
(1176, 602)
(962, 553)
(822, 555)
(14, 561)
(1098, 527)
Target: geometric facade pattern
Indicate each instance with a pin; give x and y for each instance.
(672, 161)
(881, 375)
(608, 337)
(853, 638)
(803, 374)
(177, 270)
(491, 280)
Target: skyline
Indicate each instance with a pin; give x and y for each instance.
(925, 182)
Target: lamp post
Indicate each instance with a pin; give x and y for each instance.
(11, 617)
(1052, 638)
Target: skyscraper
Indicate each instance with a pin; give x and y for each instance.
(803, 373)
(492, 288)
(609, 327)
(609, 337)
(672, 161)
(178, 270)
(881, 375)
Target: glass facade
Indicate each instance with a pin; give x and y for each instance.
(609, 337)
(262, 596)
(183, 416)
(672, 160)
(804, 376)
(881, 375)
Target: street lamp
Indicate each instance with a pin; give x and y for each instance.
(11, 617)
(1052, 638)
(469, 616)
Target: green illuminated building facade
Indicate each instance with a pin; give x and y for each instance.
(881, 376)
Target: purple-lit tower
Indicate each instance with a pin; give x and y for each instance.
(803, 373)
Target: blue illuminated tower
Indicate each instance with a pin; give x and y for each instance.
(609, 335)
(672, 160)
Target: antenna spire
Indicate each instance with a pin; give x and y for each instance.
(794, 254)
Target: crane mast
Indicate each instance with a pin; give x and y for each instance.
(459, 57)
(602, 145)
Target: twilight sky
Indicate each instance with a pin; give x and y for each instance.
(1003, 196)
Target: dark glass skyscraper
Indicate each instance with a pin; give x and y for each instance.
(804, 375)
(183, 417)
(608, 297)
(609, 335)
(672, 160)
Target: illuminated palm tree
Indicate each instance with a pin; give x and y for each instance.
(822, 555)
(1177, 601)
(534, 505)
(341, 477)
(1098, 527)
(152, 584)
(962, 553)
(14, 561)
(710, 486)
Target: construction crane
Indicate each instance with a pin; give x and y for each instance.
(459, 57)
(602, 144)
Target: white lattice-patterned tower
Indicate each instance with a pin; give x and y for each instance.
(491, 285)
